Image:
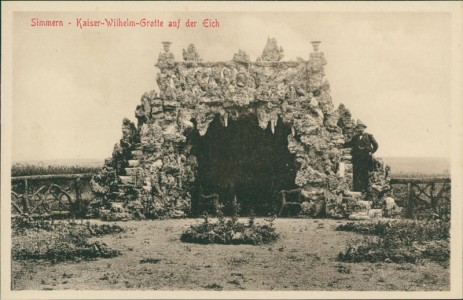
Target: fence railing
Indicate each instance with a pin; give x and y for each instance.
(62, 194)
(424, 194)
(48, 194)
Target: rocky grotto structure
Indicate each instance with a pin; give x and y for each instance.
(259, 131)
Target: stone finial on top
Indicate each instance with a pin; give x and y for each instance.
(271, 51)
(191, 54)
(241, 56)
(166, 45)
(166, 59)
(317, 59)
(315, 45)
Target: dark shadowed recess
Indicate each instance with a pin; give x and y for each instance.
(245, 161)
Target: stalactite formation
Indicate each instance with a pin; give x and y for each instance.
(155, 159)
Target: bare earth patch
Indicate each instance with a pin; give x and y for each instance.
(304, 258)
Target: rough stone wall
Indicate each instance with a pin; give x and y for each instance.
(154, 157)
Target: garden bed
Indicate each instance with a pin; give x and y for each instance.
(40, 239)
(398, 241)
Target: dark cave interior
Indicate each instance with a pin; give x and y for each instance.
(245, 161)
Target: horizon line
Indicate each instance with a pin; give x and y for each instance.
(102, 159)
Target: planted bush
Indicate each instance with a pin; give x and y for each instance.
(59, 246)
(231, 231)
(399, 241)
(44, 239)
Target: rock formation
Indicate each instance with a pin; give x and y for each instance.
(271, 51)
(153, 161)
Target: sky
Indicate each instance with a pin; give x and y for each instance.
(72, 87)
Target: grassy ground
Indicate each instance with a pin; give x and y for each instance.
(304, 258)
(26, 169)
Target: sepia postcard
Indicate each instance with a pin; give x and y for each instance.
(231, 150)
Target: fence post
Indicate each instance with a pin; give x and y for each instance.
(26, 197)
(409, 204)
(78, 198)
(434, 199)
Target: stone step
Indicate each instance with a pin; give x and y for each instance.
(354, 204)
(132, 171)
(156, 110)
(119, 195)
(127, 179)
(352, 193)
(375, 213)
(362, 215)
(156, 102)
(122, 188)
(137, 153)
(346, 151)
(170, 105)
(134, 162)
(363, 205)
(360, 209)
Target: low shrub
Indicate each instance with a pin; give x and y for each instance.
(399, 241)
(43, 239)
(25, 222)
(59, 247)
(437, 251)
(104, 229)
(407, 231)
(231, 231)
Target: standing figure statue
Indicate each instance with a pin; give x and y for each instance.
(363, 146)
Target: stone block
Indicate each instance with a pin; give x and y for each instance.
(390, 208)
(364, 205)
(389, 203)
(124, 216)
(134, 162)
(359, 216)
(349, 168)
(137, 153)
(131, 171)
(311, 191)
(353, 194)
(171, 105)
(117, 207)
(346, 151)
(341, 169)
(176, 214)
(375, 213)
(155, 111)
(127, 180)
(156, 103)
(359, 205)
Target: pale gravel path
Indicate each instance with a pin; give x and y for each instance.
(304, 258)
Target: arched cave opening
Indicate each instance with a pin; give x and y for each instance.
(245, 161)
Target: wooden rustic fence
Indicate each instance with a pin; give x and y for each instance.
(48, 194)
(62, 194)
(424, 195)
